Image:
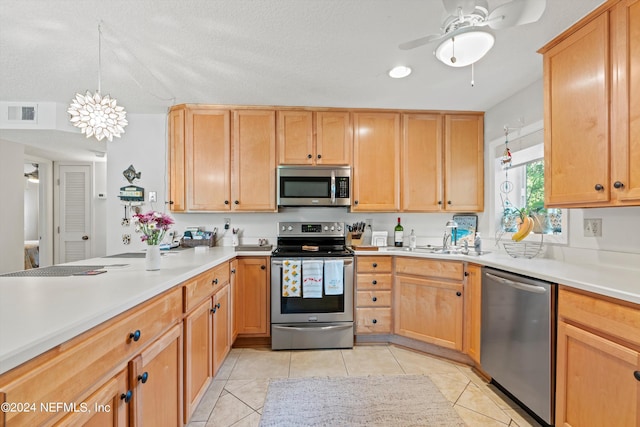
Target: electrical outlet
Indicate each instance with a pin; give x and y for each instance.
(227, 223)
(153, 196)
(126, 239)
(592, 227)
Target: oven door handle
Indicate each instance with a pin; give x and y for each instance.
(312, 326)
(279, 262)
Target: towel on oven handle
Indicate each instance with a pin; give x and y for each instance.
(334, 277)
(291, 278)
(312, 278)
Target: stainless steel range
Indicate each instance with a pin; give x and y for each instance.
(311, 287)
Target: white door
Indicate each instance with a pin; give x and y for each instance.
(74, 213)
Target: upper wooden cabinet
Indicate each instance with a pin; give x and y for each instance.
(314, 138)
(203, 173)
(444, 154)
(376, 162)
(253, 183)
(592, 110)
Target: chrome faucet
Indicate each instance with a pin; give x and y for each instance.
(448, 235)
(446, 239)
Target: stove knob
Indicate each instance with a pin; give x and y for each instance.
(326, 228)
(284, 228)
(339, 228)
(290, 228)
(333, 228)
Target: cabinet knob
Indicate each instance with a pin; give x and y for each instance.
(214, 281)
(144, 377)
(263, 267)
(375, 264)
(309, 156)
(458, 293)
(319, 156)
(599, 187)
(226, 202)
(126, 396)
(448, 202)
(233, 271)
(374, 299)
(213, 310)
(135, 335)
(374, 321)
(439, 202)
(236, 202)
(355, 203)
(618, 184)
(374, 282)
(170, 202)
(637, 375)
(218, 305)
(466, 273)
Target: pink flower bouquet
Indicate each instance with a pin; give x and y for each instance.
(153, 226)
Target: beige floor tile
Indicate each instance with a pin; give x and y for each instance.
(473, 398)
(251, 420)
(208, 401)
(450, 385)
(228, 410)
(250, 392)
(474, 419)
(320, 363)
(519, 418)
(416, 363)
(371, 360)
(225, 370)
(253, 364)
(197, 424)
(499, 397)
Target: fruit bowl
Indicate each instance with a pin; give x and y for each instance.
(523, 249)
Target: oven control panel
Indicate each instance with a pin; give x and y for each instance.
(301, 229)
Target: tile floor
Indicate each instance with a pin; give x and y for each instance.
(236, 395)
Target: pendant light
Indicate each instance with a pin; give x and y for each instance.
(96, 115)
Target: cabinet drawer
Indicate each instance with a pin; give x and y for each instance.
(374, 264)
(79, 364)
(620, 320)
(373, 281)
(373, 321)
(204, 284)
(452, 270)
(373, 298)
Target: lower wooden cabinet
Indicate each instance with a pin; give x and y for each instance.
(374, 281)
(252, 306)
(221, 338)
(197, 355)
(472, 312)
(233, 290)
(429, 307)
(598, 362)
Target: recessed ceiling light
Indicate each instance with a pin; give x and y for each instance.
(399, 72)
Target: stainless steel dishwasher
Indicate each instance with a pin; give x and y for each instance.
(518, 338)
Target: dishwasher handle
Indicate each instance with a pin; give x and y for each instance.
(518, 285)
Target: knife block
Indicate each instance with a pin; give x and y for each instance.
(354, 239)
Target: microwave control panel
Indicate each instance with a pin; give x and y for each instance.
(342, 187)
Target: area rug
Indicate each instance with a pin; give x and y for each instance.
(402, 400)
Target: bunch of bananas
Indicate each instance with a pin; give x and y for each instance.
(525, 227)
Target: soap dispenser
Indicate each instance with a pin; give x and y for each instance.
(412, 240)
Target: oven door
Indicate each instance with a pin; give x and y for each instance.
(328, 308)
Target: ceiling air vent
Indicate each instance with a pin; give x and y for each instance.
(22, 113)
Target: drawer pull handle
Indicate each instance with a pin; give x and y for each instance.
(375, 282)
(214, 281)
(458, 293)
(374, 321)
(135, 335)
(126, 396)
(144, 377)
(375, 264)
(374, 299)
(637, 375)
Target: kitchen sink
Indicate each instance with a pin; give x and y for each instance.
(435, 250)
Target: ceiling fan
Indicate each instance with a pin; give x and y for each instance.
(464, 36)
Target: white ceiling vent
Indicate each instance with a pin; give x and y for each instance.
(22, 113)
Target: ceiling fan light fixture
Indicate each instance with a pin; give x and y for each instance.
(399, 72)
(465, 47)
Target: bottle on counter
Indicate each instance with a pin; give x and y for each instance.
(477, 244)
(412, 239)
(366, 235)
(398, 235)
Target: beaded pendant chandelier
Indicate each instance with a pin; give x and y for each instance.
(96, 115)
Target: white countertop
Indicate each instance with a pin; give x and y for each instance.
(38, 313)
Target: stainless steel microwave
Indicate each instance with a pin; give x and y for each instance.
(314, 186)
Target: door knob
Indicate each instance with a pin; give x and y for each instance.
(85, 237)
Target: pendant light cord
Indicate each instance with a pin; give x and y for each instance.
(99, 56)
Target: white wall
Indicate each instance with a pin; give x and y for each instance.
(31, 213)
(12, 207)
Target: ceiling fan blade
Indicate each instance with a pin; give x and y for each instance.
(516, 12)
(420, 42)
(451, 6)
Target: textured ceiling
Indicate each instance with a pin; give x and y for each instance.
(334, 53)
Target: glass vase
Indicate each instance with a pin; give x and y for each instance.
(152, 258)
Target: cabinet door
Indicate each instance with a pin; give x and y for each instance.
(595, 381)
(176, 160)
(253, 296)
(472, 312)
(197, 355)
(421, 162)
(576, 98)
(334, 140)
(221, 335)
(625, 115)
(295, 138)
(429, 311)
(376, 162)
(464, 163)
(233, 288)
(254, 160)
(107, 407)
(208, 159)
(156, 379)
